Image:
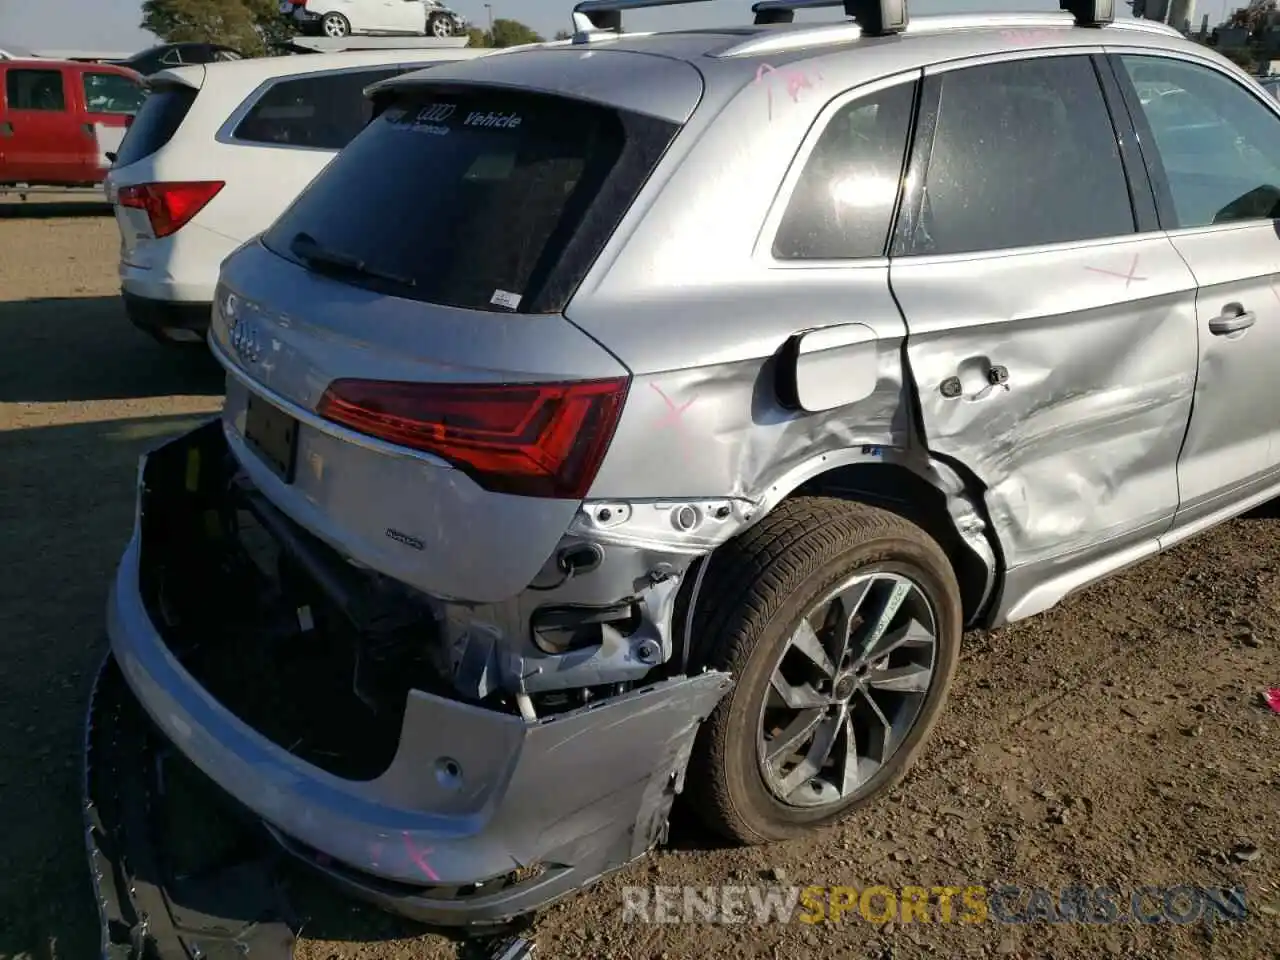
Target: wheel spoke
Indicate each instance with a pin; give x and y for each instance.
(816, 757)
(849, 769)
(807, 642)
(782, 745)
(912, 678)
(799, 697)
(911, 634)
(879, 731)
(879, 624)
(850, 604)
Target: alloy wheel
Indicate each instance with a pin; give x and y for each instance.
(847, 689)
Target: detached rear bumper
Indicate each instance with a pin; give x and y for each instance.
(480, 818)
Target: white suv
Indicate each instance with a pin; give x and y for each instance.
(217, 152)
(342, 18)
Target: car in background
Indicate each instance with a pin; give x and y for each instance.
(60, 120)
(342, 18)
(168, 55)
(217, 153)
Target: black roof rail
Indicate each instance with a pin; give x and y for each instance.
(877, 18)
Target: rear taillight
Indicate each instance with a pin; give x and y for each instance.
(533, 440)
(169, 206)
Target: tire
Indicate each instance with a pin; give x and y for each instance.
(757, 591)
(439, 26)
(335, 26)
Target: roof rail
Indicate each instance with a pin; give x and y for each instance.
(882, 17)
(877, 18)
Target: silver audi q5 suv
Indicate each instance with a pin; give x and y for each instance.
(650, 414)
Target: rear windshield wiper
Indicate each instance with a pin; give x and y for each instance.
(323, 260)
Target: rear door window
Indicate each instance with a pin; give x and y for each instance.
(162, 113)
(1024, 153)
(843, 203)
(484, 200)
(41, 90)
(320, 112)
(112, 93)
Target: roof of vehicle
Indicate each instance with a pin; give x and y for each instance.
(251, 72)
(730, 56)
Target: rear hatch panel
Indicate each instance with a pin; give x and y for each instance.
(440, 248)
(406, 514)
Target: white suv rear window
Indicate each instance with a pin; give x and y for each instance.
(320, 112)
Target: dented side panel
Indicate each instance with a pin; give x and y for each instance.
(1063, 379)
(718, 429)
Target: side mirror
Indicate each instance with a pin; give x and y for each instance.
(111, 157)
(829, 368)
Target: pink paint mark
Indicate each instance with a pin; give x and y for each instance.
(674, 418)
(376, 851)
(795, 81)
(1128, 278)
(419, 856)
(674, 415)
(1273, 699)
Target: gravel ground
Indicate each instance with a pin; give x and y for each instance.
(1120, 741)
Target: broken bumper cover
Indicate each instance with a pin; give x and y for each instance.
(481, 817)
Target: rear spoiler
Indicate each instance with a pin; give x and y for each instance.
(192, 77)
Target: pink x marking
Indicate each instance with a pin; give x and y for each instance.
(795, 81)
(419, 856)
(1128, 278)
(674, 415)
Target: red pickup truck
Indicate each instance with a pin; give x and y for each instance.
(59, 120)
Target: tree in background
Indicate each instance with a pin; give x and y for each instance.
(1256, 16)
(506, 33)
(248, 25)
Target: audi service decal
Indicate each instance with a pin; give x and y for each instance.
(440, 119)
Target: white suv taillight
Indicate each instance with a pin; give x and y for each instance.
(169, 206)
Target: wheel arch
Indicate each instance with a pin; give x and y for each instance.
(951, 516)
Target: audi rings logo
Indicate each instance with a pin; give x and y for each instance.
(436, 113)
(246, 339)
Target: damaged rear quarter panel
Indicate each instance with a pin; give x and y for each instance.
(1080, 445)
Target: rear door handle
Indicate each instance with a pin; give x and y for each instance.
(1233, 319)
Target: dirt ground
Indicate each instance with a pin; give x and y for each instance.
(1119, 741)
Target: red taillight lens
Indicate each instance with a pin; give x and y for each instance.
(533, 440)
(170, 206)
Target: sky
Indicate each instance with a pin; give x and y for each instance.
(113, 24)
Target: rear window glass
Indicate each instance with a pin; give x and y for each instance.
(320, 112)
(161, 115)
(479, 200)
